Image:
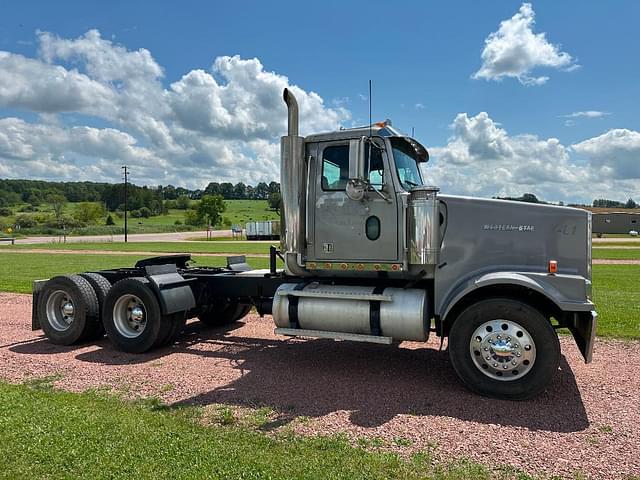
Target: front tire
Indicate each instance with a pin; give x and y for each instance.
(504, 348)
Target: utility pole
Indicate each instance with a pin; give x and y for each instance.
(126, 205)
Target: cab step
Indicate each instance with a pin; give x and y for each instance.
(352, 337)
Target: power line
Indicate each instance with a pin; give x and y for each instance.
(126, 206)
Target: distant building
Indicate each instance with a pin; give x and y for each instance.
(615, 222)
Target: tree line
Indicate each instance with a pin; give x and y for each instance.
(154, 198)
(606, 203)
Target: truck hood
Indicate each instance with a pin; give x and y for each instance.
(487, 234)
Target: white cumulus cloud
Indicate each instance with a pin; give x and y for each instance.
(614, 154)
(515, 51)
(220, 124)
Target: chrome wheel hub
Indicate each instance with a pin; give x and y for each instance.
(129, 316)
(502, 350)
(60, 310)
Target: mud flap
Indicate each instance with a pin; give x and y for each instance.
(173, 290)
(36, 289)
(583, 329)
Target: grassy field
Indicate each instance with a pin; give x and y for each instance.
(237, 212)
(47, 433)
(617, 253)
(617, 298)
(20, 269)
(236, 247)
(242, 247)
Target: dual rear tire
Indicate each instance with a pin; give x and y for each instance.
(133, 319)
(69, 310)
(77, 308)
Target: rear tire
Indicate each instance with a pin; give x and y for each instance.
(504, 348)
(225, 313)
(177, 321)
(101, 286)
(132, 317)
(68, 310)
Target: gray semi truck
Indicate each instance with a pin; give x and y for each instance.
(371, 253)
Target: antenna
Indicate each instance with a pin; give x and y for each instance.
(370, 126)
(370, 134)
(413, 132)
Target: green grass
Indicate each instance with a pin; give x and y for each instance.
(242, 247)
(47, 433)
(20, 269)
(617, 253)
(243, 211)
(617, 298)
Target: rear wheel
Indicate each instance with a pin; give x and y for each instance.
(177, 322)
(132, 316)
(68, 310)
(504, 348)
(101, 287)
(224, 313)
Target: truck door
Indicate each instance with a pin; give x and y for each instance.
(346, 230)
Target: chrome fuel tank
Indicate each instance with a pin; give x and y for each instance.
(403, 313)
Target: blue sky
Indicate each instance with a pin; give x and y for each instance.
(421, 57)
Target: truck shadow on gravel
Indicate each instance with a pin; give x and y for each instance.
(374, 382)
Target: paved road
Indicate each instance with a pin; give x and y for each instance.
(617, 240)
(137, 237)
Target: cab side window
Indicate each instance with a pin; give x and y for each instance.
(335, 167)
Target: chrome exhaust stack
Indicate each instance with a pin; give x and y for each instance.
(292, 190)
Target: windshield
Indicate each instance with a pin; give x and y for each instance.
(406, 164)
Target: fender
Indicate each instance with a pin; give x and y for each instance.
(569, 293)
(173, 290)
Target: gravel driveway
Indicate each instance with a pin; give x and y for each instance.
(588, 420)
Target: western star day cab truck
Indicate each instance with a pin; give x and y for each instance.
(371, 253)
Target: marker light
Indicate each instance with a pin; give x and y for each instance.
(553, 266)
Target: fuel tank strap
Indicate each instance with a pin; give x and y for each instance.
(374, 312)
(293, 306)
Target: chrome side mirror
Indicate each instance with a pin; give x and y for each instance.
(356, 187)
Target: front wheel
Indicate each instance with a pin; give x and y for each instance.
(504, 348)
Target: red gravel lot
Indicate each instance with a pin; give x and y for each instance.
(587, 421)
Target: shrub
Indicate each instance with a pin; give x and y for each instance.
(191, 218)
(5, 212)
(65, 221)
(145, 212)
(182, 202)
(109, 220)
(177, 222)
(29, 208)
(135, 213)
(25, 221)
